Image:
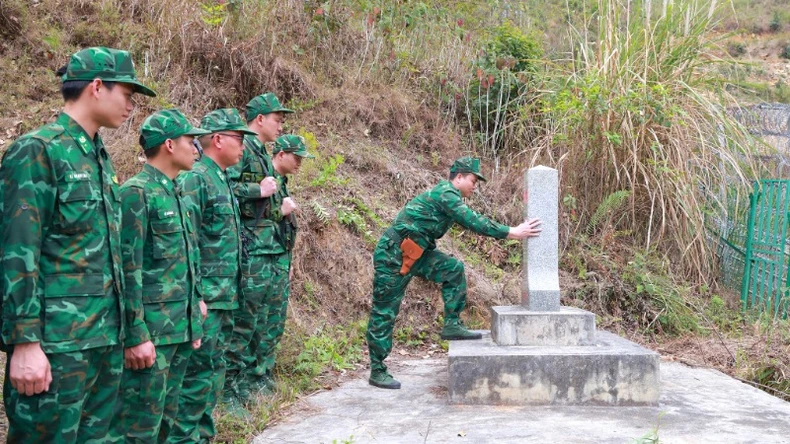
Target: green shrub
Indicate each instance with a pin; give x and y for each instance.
(500, 84)
(649, 280)
(349, 217)
(776, 23)
(328, 172)
(725, 319)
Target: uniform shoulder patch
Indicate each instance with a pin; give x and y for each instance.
(47, 133)
(134, 182)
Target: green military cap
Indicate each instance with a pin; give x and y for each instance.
(112, 65)
(467, 165)
(225, 119)
(291, 143)
(166, 124)
(264, 104)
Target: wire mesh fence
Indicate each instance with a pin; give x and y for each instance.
(750, 239)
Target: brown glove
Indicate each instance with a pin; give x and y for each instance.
(411, 252)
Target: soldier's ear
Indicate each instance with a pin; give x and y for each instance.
(169, 145)
(94, 87)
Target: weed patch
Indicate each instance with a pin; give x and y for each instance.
(305, 363)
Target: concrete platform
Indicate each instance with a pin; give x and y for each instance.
(516, 325)
(613, 371)
(697, 406)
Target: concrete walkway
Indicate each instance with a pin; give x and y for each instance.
(696, 406)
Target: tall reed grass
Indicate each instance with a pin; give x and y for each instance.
(638, 107)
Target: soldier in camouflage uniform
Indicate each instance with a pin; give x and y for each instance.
(163, 313)
(61, 259)
(216, 216)
(408, 249)
(289, 150)
(254, 185)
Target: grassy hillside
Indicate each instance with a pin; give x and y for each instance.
(388, 93)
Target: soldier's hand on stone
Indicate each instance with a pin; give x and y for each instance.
(203, 310)
(268, 186)
(139, 356)
(196, 344)
(29, 369)
(288, 207)
(529, 228)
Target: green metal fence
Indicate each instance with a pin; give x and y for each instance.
(765, 251)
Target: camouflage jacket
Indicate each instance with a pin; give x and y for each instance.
(160, 255)
(61, 245)
(285, 226)
(256, 212)
(215, 213)
(428, 216)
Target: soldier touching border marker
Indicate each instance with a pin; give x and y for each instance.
(408, 249)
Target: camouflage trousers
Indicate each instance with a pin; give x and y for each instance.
(203, 382)
(389, 287)
(148, 401)
(77, 408)
(258, 322)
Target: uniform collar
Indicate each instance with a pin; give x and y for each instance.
(78, 134)
(282, 178)
(449, 185)
(209, 162)
(254, 143)
(159, 177)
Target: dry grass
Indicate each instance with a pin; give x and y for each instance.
(198, 66)
(636, 112)
(370, 93)
(758, 357)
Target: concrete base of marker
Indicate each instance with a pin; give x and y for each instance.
(611, 372)
(516, 325)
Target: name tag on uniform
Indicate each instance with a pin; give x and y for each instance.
(165, 214)
(73, 176)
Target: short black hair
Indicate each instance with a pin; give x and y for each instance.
(153, 152)
(72, 89)
(452, 175)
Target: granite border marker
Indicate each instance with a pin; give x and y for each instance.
(540, 288)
